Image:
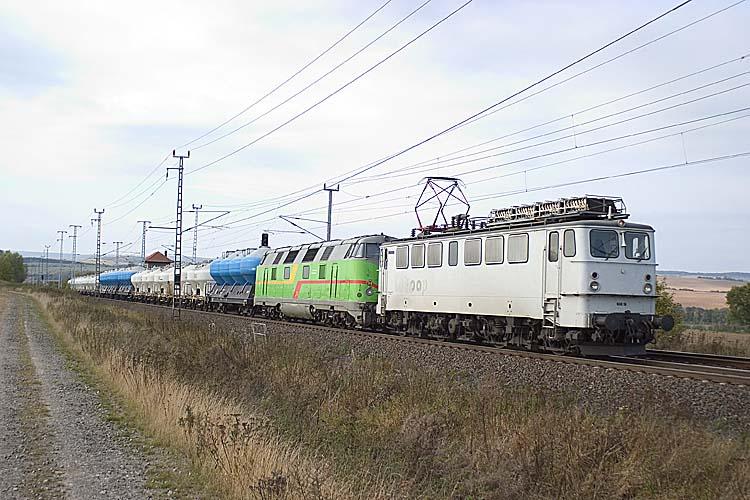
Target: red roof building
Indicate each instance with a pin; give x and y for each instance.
(157, 259)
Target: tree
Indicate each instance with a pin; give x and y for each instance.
(665, 304)
(12, 267)
(738, 299)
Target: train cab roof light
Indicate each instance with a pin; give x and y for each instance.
(579, 208)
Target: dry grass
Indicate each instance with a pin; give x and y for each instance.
(235, 447)
(706, 341)
(285, 419)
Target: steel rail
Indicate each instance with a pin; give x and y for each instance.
(699, 358)
(716, 374)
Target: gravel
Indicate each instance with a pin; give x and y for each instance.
(724, 407)
(85, 456)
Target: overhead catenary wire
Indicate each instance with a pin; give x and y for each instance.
(576, 158)
(409, 148)
(547, 154)
(455, 155)
(368, 166)
(411, 170)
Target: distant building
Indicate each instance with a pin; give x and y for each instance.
(157, 259)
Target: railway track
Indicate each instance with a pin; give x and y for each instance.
(705, 367)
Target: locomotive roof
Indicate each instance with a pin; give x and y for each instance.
(530, 225)
(368, 238)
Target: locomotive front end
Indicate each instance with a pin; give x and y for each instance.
(610, 290)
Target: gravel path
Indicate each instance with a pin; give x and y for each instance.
(55, 440)
(722, 406)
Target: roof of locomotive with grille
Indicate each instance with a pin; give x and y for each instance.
(601, 211)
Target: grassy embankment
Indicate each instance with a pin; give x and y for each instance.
(705, 340)
(278, 419)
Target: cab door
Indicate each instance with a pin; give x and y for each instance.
(552, 273)
(383, 280)
(334, 281)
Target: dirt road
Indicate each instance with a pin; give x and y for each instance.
(55, 439)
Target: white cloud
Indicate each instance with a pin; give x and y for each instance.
(133, 80)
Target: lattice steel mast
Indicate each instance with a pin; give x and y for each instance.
(98, 221)
(177, 285)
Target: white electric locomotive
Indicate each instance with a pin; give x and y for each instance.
(564, 276)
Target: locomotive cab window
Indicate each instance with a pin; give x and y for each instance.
(637, 245)
(365, 251)
(493, 250)
(604, 244)
(553, 246)
(291, 256)
(327, 253)
(453, 253)
(310, 254)
(402, 257)
(569, 243)
(417, 255)
(278, 257)
(473, 252)
(435, 254)
(518, 248)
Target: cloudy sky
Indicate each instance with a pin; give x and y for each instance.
(95, 95)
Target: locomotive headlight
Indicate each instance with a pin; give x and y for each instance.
(369, 291)
(648, 288)
(594, 285)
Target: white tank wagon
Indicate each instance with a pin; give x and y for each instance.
(202, 279)
(83, 284)
(566, 276)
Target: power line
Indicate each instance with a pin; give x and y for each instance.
(350, 82)
(277, 87)
(304, 89)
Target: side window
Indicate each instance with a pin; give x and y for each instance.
(417, 255)
(518, 248)
(326, 253)
(453, 253)
(273, 274)
(493, 250)
(278, 257)
(287, 271)
(637, 245)
(473, 252)
(402, 257)
(435, 254)
(291, 256)
(569, 243)
(310, 254)
(322, 272)
(305, 272)
(553, 246)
